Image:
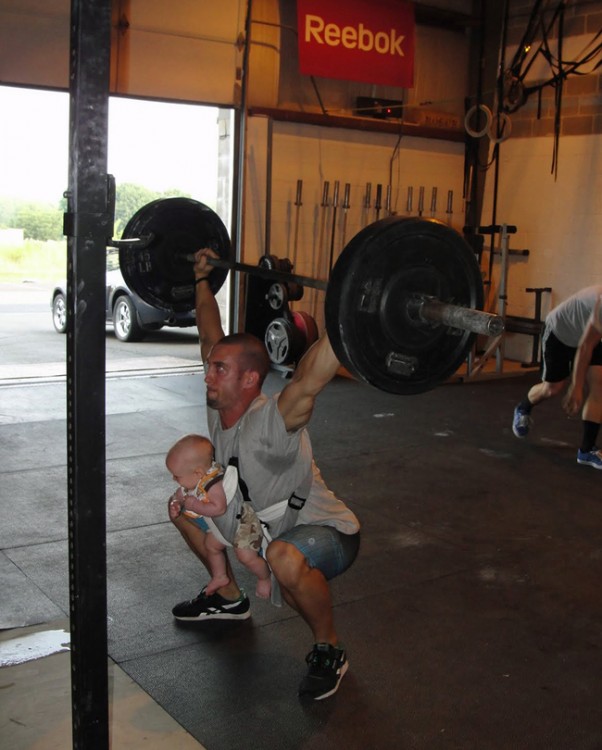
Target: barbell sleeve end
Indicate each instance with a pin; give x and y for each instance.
(433, 311)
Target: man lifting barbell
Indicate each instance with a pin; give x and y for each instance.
(314, 535)
(402, 309)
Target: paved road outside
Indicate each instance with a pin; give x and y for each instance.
(31, 348)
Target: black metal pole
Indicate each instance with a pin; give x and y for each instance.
(239, 174)
(335, 203)
(88, 225)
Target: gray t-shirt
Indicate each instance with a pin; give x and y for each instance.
(569, 319)
(275, 463)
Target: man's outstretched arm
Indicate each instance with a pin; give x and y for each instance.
(315, 370)
(208, 318)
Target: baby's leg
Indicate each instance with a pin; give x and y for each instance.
(263, 588)
(257, 565)
(217, 565)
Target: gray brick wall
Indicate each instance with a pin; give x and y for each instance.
(581, 106)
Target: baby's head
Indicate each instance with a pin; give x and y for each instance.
(189, 460)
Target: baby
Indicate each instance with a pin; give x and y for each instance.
(208, 496)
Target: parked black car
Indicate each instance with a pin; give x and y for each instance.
(130, 315)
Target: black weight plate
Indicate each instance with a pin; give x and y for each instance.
(366, 311)
(160, 273)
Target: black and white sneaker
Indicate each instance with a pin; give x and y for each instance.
(327, 665)
(213, 607)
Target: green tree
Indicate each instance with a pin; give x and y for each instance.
(39, 221)
(8, 207)
(45, 222)
(130, 197)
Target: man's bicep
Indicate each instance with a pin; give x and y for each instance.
(208, 338)
(316, 369)
(295, 406)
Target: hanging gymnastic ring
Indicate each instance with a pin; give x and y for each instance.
(505, 130)
(488, 117)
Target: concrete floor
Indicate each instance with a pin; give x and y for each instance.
(35, 712)
(472, 616)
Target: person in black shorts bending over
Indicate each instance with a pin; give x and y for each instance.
(571, 352)
(314, 535)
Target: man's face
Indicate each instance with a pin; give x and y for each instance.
(224, 377)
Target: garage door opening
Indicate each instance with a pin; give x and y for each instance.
(155, 149)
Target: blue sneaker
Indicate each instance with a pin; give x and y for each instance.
(521, 423)
(590, 458)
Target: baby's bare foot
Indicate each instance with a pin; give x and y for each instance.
(216, 583)
(264, 588)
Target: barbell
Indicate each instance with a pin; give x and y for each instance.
(403, 303)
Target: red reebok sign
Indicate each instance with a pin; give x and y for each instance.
(357, 40)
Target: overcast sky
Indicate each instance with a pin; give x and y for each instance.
(160, 146)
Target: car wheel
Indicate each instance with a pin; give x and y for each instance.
(59, 313)
(125, 320)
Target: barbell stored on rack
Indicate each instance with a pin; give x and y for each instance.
(403, 303)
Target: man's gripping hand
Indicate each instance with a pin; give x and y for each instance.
(202, 268)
